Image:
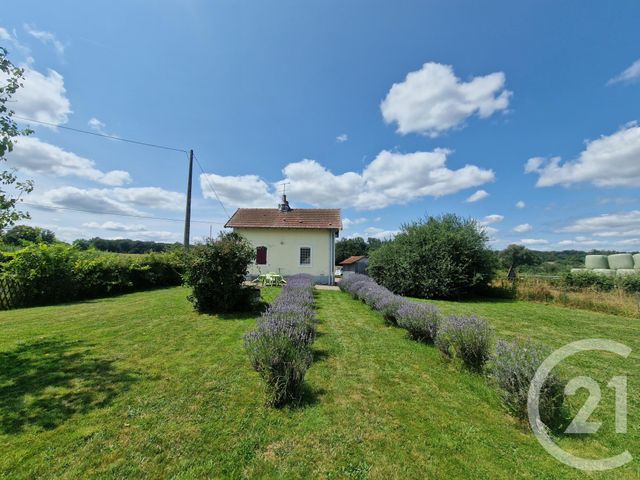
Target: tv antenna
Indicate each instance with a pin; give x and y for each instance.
(284, 187)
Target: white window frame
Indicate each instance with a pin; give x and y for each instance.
(310, 264)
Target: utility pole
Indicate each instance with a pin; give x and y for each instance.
(187, 215)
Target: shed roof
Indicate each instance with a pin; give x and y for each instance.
(352, 259)
(311, 218)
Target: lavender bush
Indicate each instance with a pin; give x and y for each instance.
(468, 338)
(280, 346)
(513, 367)
(388, 305)
(420, 320)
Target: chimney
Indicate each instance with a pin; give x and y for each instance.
(284, 206)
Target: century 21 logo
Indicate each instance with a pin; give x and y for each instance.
(581, 423)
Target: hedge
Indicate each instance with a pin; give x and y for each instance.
(44, 274)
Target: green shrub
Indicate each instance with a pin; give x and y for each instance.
(592, 280)
(215, 272)
(49, 274)
(630, 283)
(44, 273)
(440, 257)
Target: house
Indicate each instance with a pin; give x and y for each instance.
(354, 264)
(290, 240)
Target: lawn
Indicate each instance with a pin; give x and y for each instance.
(141, 386)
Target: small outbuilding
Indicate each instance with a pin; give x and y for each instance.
(354, 264)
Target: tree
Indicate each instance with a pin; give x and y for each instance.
(374, 244)
(12, 189)
(439, 257)
(515, 256)
(24, 233)
(348, 247)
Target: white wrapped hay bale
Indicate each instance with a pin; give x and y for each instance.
(620, 261)
(622, 272)
(636, 261)
(579, 270)
(605, 271)
(596, 261)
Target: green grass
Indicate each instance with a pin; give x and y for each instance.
(141, 386)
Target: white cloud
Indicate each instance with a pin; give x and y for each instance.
(392, 178)
(347, 222)
(92, 200)
(520, 204)
(96, 125)
(11, 38)
(379, 233)
(42, 97)
(610, 161)
(624, 224)
(343, 137)
(433, 100)
(631, 74)
(151, 197)
(111, 200)
(489, 219)
(477, 196)
(580, 242)
(34, 155)
(238, 191)
(522, 228)
(116, 226)
(133, 231)
(46, 38)
(491, 231)
(534, 241)
(373, 232)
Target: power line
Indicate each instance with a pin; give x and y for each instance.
(211, 186)
(103, 135)
(117, 214)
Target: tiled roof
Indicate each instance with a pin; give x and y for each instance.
(352, 259)
(317, 218)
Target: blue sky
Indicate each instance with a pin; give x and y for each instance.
(389, 110)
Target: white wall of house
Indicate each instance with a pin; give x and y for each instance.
(283, 251)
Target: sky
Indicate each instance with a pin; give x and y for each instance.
(522, 115)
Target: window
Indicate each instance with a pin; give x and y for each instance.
(261, 256)
(305, 256)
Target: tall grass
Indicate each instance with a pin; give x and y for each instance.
(535, 289)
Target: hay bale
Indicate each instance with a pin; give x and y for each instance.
(620, 261)
(596, 261)
(636, 261)
(579, 270)
(622, 272)
(605, 271)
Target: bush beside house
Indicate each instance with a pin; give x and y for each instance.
(215, 272)
(440, 257)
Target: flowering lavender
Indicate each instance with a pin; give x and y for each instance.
(468, 338)
(280, 346)
(513, 368)
(388, 305)
(419, 319)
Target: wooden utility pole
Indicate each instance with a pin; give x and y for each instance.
(187, 215)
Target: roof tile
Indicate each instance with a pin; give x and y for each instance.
(316, 218)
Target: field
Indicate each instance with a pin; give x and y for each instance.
(140, 386)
